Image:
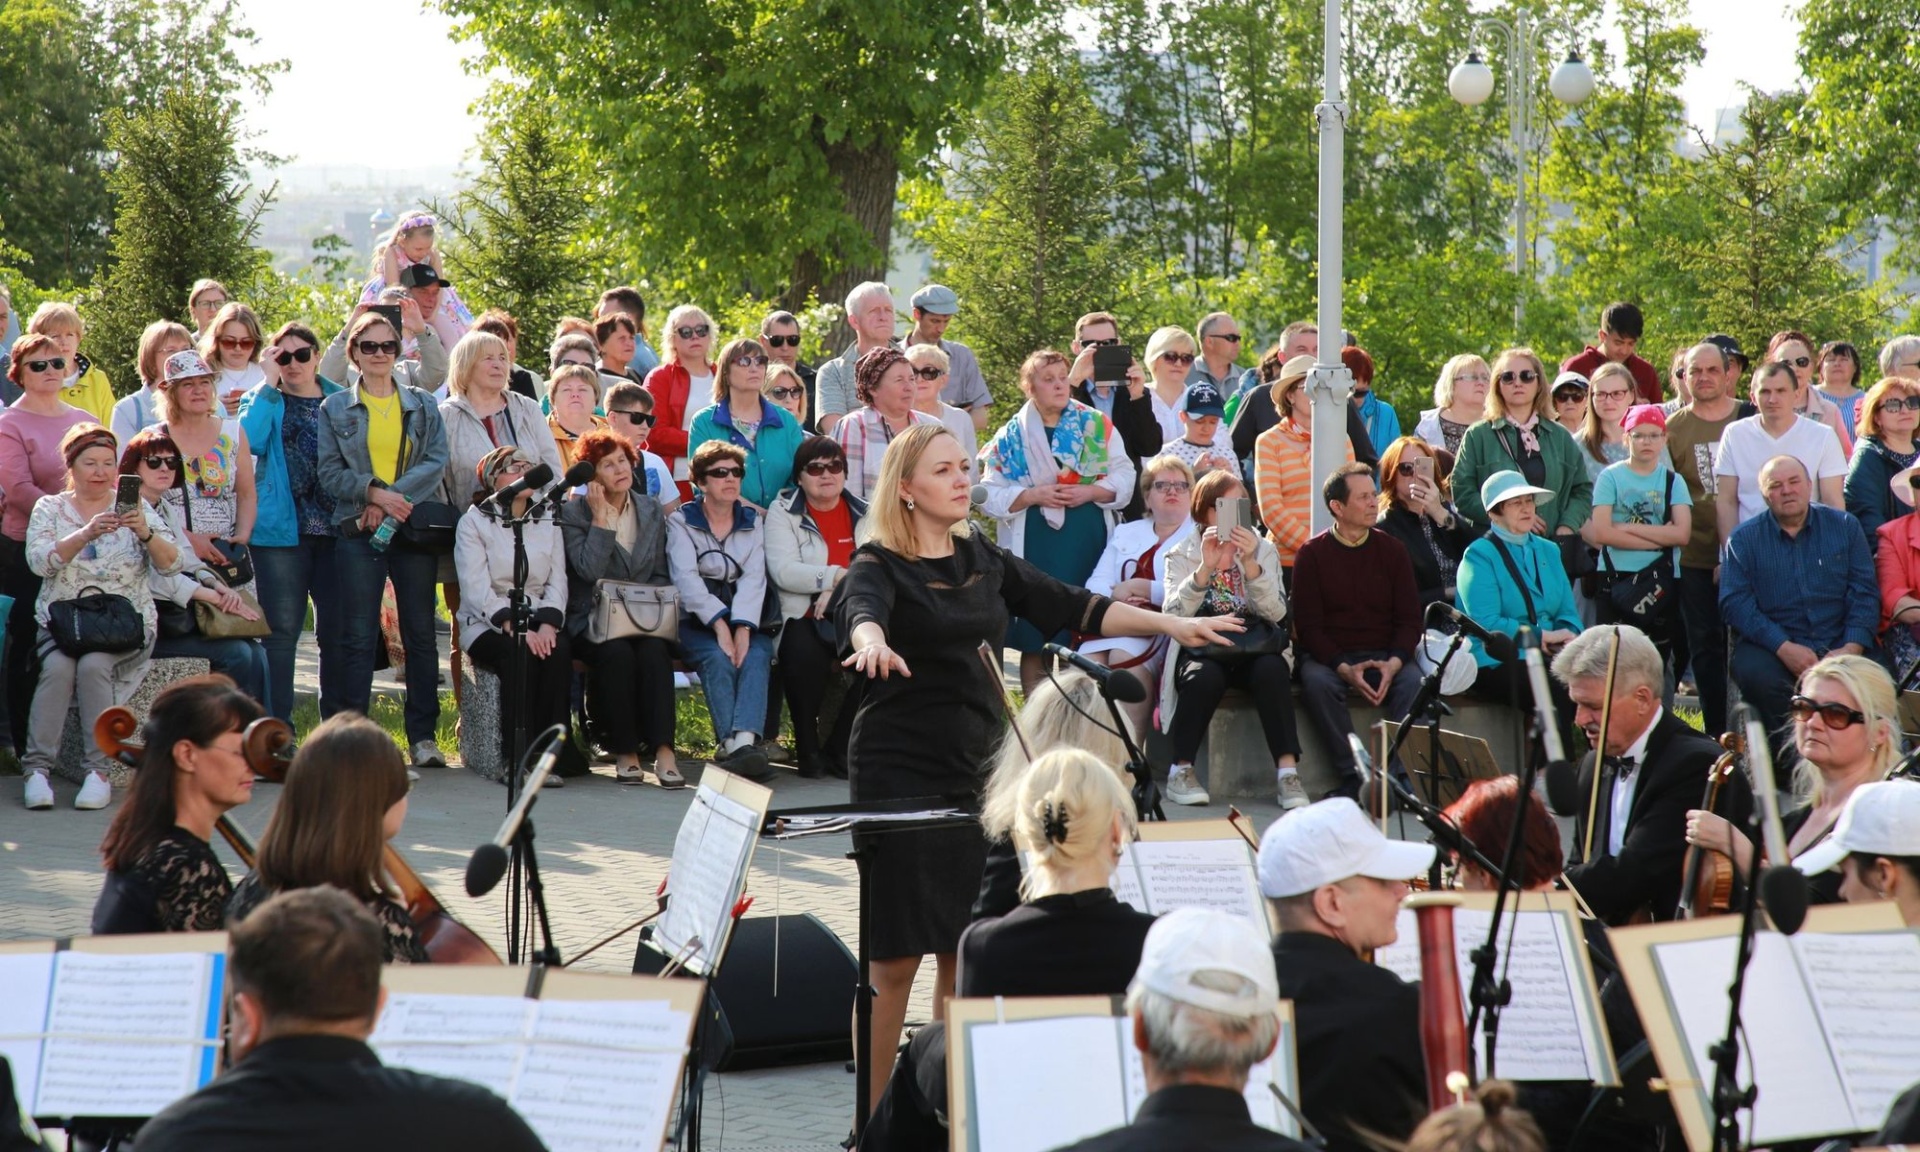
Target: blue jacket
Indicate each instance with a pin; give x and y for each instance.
(346, 469)
(1816, 588)
(1487, 593)
(1383, 423)
(277, 523)
(769, 458)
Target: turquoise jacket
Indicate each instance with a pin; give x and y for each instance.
(276, 524)
(1488, 594)
(769, 455)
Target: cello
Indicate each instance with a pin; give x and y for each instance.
(268, 747)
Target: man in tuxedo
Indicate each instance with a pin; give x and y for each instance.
(1652, 770)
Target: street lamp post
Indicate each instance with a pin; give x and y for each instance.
(1471, 83)
(1330, 385)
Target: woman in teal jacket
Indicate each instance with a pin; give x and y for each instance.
(293, 534)
(1510, 579)
(1519, 433)
(741, 416)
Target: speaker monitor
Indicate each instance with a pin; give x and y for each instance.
(749, 1021)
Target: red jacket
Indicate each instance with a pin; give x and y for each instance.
(669, 385)
(1644, 377)
(1897, 564)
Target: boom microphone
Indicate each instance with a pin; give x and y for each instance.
(489, 861)
(1113, 685)
(1499, 645)
(534, 478)
(977, 496)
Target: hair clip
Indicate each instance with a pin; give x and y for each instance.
(1053, 821)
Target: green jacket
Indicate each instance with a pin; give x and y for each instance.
(1494, 446)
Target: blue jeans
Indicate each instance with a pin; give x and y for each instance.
(736, 697)
(244, 660)
(285, 578)
(363, 572)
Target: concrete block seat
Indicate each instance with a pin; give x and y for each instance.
(479, 728)
(74, 741)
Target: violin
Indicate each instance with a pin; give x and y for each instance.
(1707, 889)
(267, 745)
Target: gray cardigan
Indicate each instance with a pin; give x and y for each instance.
(468, 442)
(594, 554)
(346, 469)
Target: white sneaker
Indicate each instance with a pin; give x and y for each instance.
(39, 792)
(426, 754)
(1293, 794)
(94, 793)
(1182, 788)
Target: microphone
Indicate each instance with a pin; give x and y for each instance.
(1499, 645)
(1113, 685)
(538, 476)
(1543, 700)
(1362, 762)
(489, 861)
(1785, 895)
(977, 496)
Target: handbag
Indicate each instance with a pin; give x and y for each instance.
(1644, 598)
(216, 623)
(236, 566)
(429, 527)
(173, 621)
(623, 608)
(95, 621)
(1262, 638)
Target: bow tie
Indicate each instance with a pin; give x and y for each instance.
(1621, 766)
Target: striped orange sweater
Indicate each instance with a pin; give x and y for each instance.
(1283, 482)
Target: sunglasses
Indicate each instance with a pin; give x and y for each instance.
(1110, 342)
(644, 419)
(726, 472)
(824, 467)
(929, 372)
(57, 363)
(1525, 376)
(1405, 468)
(1833, 713)
(1801, 361)
(1177, 357)
(379, 347)
(301, 354)
(693, 332)
(1897, 404)
(236, 343)
(786, 393)
(157, 462)
(751, 360)
(782, 341)
(1229, 337)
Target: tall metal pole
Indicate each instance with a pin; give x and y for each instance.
(1330, 386)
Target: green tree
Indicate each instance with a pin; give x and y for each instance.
(1020, 219)
(520, 232)
(52, 149)
(183, 210)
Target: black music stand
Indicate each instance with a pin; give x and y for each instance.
(915, 814)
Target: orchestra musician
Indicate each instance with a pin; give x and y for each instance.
(1202, 1006)
(1652, 771)
(162, 875)
(1846, 729)
(305, 976)
(345, 796)
(1487, 1123)
(1336, 882)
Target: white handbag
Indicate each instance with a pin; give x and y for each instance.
(621, 608)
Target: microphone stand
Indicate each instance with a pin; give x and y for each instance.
(1427, 708)
(523, 873)
(1146, 793)
(1729, 1098)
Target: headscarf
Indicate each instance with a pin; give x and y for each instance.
(869, 369)
(84, 436)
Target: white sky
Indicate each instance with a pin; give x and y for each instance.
(341, 102)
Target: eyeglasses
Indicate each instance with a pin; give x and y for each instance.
(210, 305)
(725, 472)
(379, 347)
(751, 360)
(1169, 487)
(1833, 713)
(824, 467)
(56, 363)
(301, 354)
(644, 419)
(1525, 376)
(792, 341)
(929, 372)
(1611, 393)
(1897, 404)
(1646, 437)
(1177, 357)
(786, 393)
(1472, 378)
(158, 462)
(693, 332)
(1229, 337)
(236, 343)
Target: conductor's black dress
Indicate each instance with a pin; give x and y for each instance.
(934, 733)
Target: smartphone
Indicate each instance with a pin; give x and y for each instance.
(392, 313)
(1111, 362)
(1230, 512)
(127, 498)
(1422, 467)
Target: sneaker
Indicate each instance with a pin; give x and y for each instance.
(1293, 794)
(632, 773)
(94, 793)
(1182, 788)
(412, 776)
(39, 792)
(426, 754)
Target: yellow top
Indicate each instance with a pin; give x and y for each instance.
(91, 394)
(383, 434)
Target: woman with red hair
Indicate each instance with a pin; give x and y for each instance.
(1484, 815)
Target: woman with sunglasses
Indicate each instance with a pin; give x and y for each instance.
(1846, 727)
(1889, 413)
(155, 459)
(138, 409)
(684, 376)
(1416, 508)
(383, 449)
(1795, 349)
(162, 875)
(294, 529)
(31, 467)
(84, 386)
(232, 345)
(1517, 433)
(741, 415)
(810, 534)
(344, 797)
(788, 389)
(931, 369)
(884, 385)
(1459, 399)
(215, 499)
(1170, 356)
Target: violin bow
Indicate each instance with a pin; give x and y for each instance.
(992, 665)
(1600, 745)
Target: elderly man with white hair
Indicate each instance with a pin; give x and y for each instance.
(871, 316)
(1203, 1004)
(1900, 357)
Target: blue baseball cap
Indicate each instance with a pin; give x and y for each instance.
(1202, 400)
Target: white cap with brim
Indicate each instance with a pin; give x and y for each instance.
(1501, 487)
(1332, 841)
(1187, 944)
(1880, 819)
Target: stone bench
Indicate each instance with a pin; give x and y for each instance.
(1234, 765)
(479, 727)
(74, 742)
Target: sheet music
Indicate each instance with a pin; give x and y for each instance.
(706, 876)
(28, 980)
(1040, 1084)
(580, 1049)
(127, 1032)
(1546, 1032)
(477, 1038)
(1402, 957)
(1866, 987)
(1215, 874)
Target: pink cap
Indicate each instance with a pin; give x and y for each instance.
(1646, 414)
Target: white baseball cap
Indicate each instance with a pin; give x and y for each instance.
(1880, 819)
(1186, 944)
(1332, 841)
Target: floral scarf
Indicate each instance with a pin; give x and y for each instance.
(1074, 453)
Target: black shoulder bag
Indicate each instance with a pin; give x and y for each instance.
(1644, 598)
(430, 526)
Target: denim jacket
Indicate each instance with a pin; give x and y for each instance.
(277, 524)
(346, 470)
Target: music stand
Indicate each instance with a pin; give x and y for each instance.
(1464, 759)
(868, 818)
